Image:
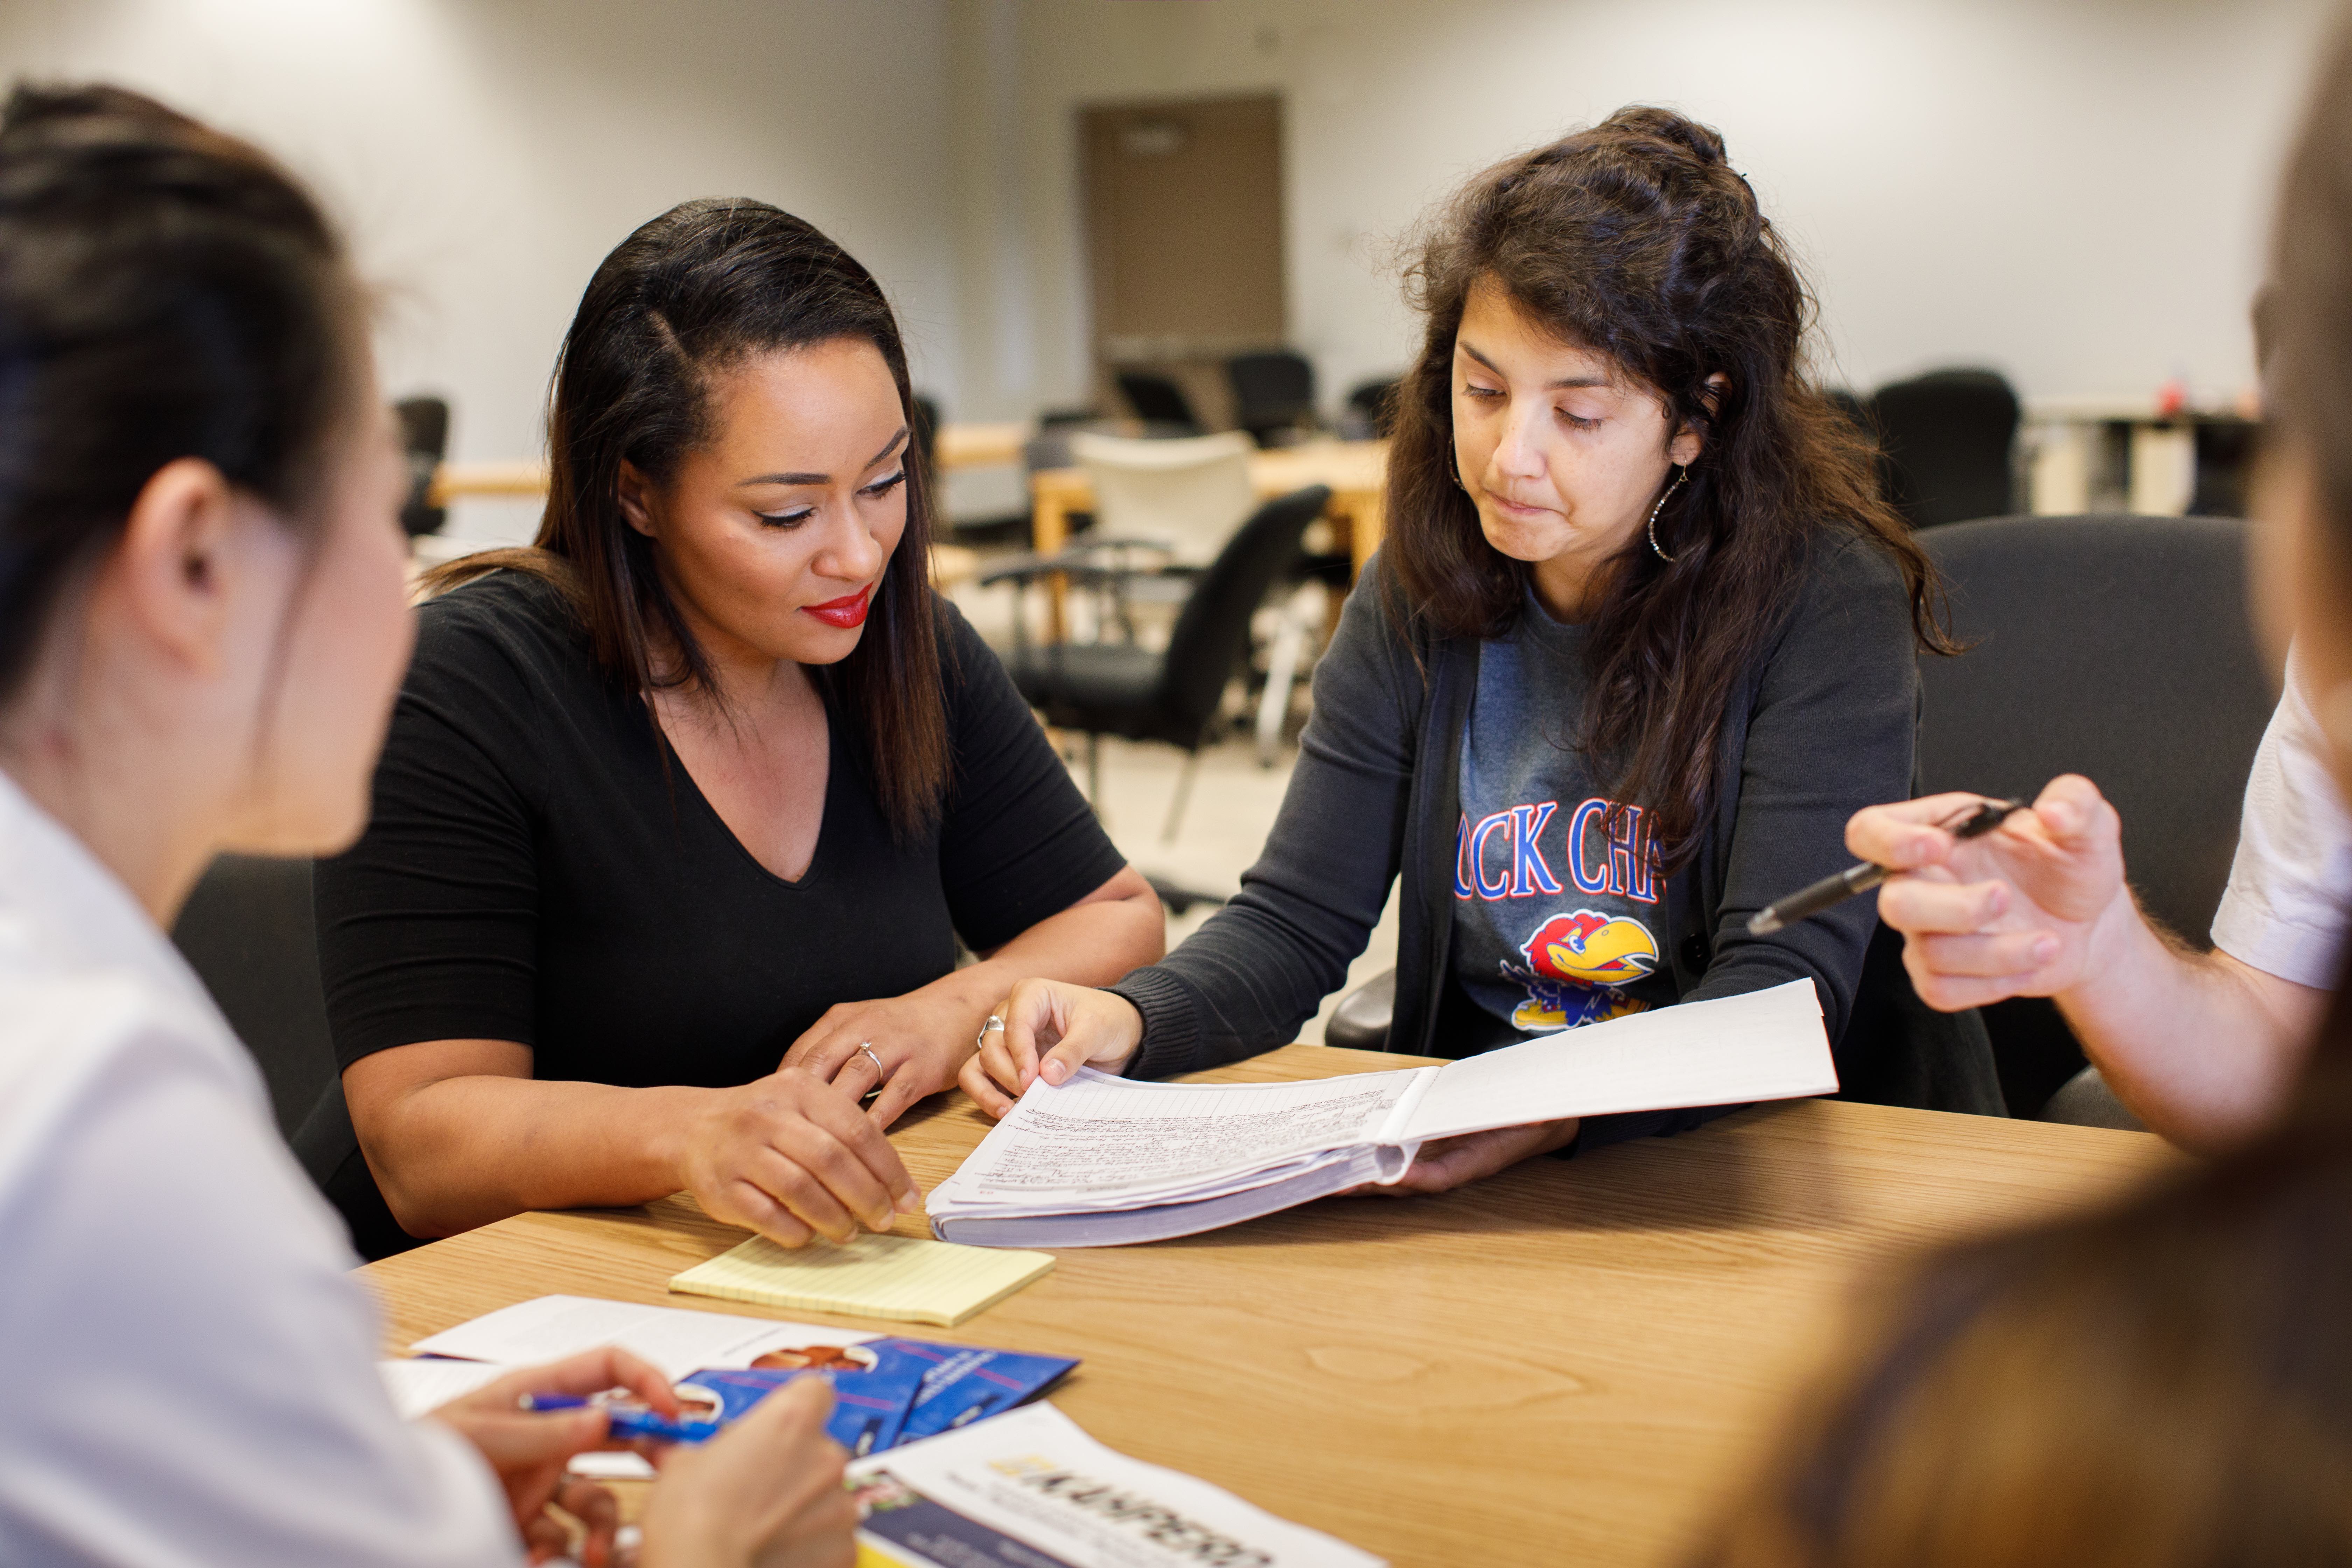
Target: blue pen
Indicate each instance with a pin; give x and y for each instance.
(627, 1422)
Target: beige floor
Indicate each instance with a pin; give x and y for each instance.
(1233, 804)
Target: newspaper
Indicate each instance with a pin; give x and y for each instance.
(1030, 1488)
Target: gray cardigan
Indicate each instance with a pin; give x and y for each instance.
(1824, 725)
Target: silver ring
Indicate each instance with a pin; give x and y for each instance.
(879, 1074)
(995, 1025)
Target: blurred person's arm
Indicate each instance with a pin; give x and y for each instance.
(2199, 1046)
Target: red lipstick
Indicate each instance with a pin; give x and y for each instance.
(844, 613)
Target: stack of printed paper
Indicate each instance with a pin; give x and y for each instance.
(1102, 1161)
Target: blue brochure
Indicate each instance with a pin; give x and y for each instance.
(874, 1387)
(962, 1384)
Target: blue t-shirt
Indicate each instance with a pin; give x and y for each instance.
(1559, 913)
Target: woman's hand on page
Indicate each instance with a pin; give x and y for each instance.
(767, 1492)
(1050, 1031)
(1446, 1163)
(792, 1157)
(922, 1040)
(2013, 913)
(527, 1449)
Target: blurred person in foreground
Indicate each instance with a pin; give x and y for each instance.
(203, 623)
(2168, 1383)
(2200, 1045)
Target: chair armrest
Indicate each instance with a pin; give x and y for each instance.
(1069, 564)
(1084, 563)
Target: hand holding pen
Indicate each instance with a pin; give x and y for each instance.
(528, 1424)
(2022, 911)
(1973, 818)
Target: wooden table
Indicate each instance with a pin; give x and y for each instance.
(1357, 472)
(1570, 1363)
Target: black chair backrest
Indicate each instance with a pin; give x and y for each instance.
(1050, 450)
(926, 432)
(2116, 648)
(248, 933)
(1271, 390)
(1376, 401)
(1156, 399)
(424, 437)
(1949, 438)
(1212, 631)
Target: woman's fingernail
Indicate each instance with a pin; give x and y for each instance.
(2045, 949)
(1054, 1072)
(910, 1201)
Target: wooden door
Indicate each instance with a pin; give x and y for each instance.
(1183, 204)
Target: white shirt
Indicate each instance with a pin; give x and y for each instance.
(2284, 912)
(190, 1368)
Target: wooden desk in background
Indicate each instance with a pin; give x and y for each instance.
(1357, 472)
(1570, 1363)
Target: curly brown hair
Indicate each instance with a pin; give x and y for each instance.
(1638, 239)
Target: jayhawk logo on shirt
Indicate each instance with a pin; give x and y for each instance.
(1575, 964)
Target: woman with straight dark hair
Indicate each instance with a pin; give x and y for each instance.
(1641, 630)
(685, 809)
(202, 620)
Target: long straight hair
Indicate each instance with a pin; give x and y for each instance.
(166, 291)
(687, 297)
(1637, 238)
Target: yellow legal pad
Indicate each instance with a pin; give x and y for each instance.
(901, 1277)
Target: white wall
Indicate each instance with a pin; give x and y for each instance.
(2072, 191)
(485, 153)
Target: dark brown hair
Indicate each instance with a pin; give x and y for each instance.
(2165, 1386)
(165, 292)
(686, 298)
(1636, 238)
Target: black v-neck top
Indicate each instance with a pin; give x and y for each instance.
(533, 872)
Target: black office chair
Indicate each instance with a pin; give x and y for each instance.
(425, 438)
(1156, 400)
(1948, 439)
(248, 933)
(1171, 695)
(2115, 647)
(1274, 395)
(2226, 450)
(923, 427)
(1372, 409)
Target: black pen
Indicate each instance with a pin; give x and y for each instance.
(1807, 902)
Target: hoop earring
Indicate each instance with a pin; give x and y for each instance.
(1654, 510)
